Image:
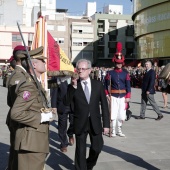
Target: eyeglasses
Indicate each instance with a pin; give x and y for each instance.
(83, 69)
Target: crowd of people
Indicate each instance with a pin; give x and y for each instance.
(96, 101)
(136, 74)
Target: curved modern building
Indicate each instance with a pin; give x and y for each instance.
(152, 29)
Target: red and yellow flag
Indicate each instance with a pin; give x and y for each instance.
(57, 63)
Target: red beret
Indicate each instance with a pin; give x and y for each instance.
(11, 59)
(19, 48)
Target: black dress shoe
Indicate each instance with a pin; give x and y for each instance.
(128, 115)
(139, 117)
(159, 117)
(71, 140)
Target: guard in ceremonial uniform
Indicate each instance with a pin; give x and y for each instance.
(16, 76)
(30, 112)
(118, 91)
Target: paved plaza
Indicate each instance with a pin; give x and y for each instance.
(146, 145)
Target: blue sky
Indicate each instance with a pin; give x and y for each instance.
(77, 7)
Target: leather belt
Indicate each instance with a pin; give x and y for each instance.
(118, 91)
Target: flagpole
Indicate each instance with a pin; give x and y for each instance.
(39, 14)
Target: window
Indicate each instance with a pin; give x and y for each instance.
(87, 55)
(112, 37)
(77, 42)
(16, 37)
(61, 40)
(61, 28)
(82, 29)
(77, 29)
(87, 29)
(87, 41)
(82, 41)
(101, 39)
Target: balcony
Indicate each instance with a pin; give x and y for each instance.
(113, 32)
(100, 55)
(100, 30)
(129, 32)
(101, 43)
(112, 44)
(130, 45)
(110, 55)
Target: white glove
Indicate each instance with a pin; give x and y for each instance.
(46, 117)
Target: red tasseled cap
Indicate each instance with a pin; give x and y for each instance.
(118, 57)
(119, 47)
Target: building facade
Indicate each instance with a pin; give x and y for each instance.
(93, 36)
(110, 29)
(26, 14)
(81, 39)
(10, 38)
(152, 29)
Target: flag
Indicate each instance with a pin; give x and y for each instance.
(58, 62)
(40, 39)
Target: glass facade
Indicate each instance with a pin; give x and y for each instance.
(154, 45)
(141, 4)
(152, 28)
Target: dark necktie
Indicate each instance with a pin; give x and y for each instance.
(86, 91)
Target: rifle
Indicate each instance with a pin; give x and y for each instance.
(35, 77)
(110, 87)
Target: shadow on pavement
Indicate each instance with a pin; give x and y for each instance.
(136, 160)
(135, 102)
(56, 158)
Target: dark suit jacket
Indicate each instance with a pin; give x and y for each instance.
(149, 82)
(77, 99)
(57, 95)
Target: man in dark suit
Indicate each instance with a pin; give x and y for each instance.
(85, 96)
(57, 95)
(148, 91)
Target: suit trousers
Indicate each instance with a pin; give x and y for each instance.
(62, 127)
(144, 99)
(81, 163)
(31, 160)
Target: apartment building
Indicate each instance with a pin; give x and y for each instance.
(110, 29)
(93, 37)
(81, 39)
(25, 12)
(74, 34)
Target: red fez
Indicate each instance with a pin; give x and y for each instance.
(118, 57)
